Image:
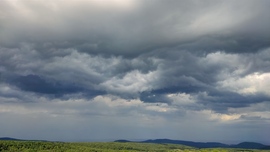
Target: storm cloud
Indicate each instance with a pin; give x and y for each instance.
(154, 62)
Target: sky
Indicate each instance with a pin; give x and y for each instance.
(100, 70)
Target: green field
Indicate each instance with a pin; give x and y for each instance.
(42, 146)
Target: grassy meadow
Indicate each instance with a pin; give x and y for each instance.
(43, 146)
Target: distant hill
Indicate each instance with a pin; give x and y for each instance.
(121, 140)
(8, 138)
(15, 139)
(189, 143)
(249, 145)
(266, 148)
(244, 145)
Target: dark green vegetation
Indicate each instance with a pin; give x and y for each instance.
(42, 146)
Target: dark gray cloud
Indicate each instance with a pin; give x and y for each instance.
(137, 26)
(147, 60)
(150, 76)
(37, 84)
(221, 101)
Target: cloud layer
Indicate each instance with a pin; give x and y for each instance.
(135, 66)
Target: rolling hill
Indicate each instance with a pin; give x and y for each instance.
(244, 145)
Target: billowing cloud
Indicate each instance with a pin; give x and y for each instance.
(137, 66)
